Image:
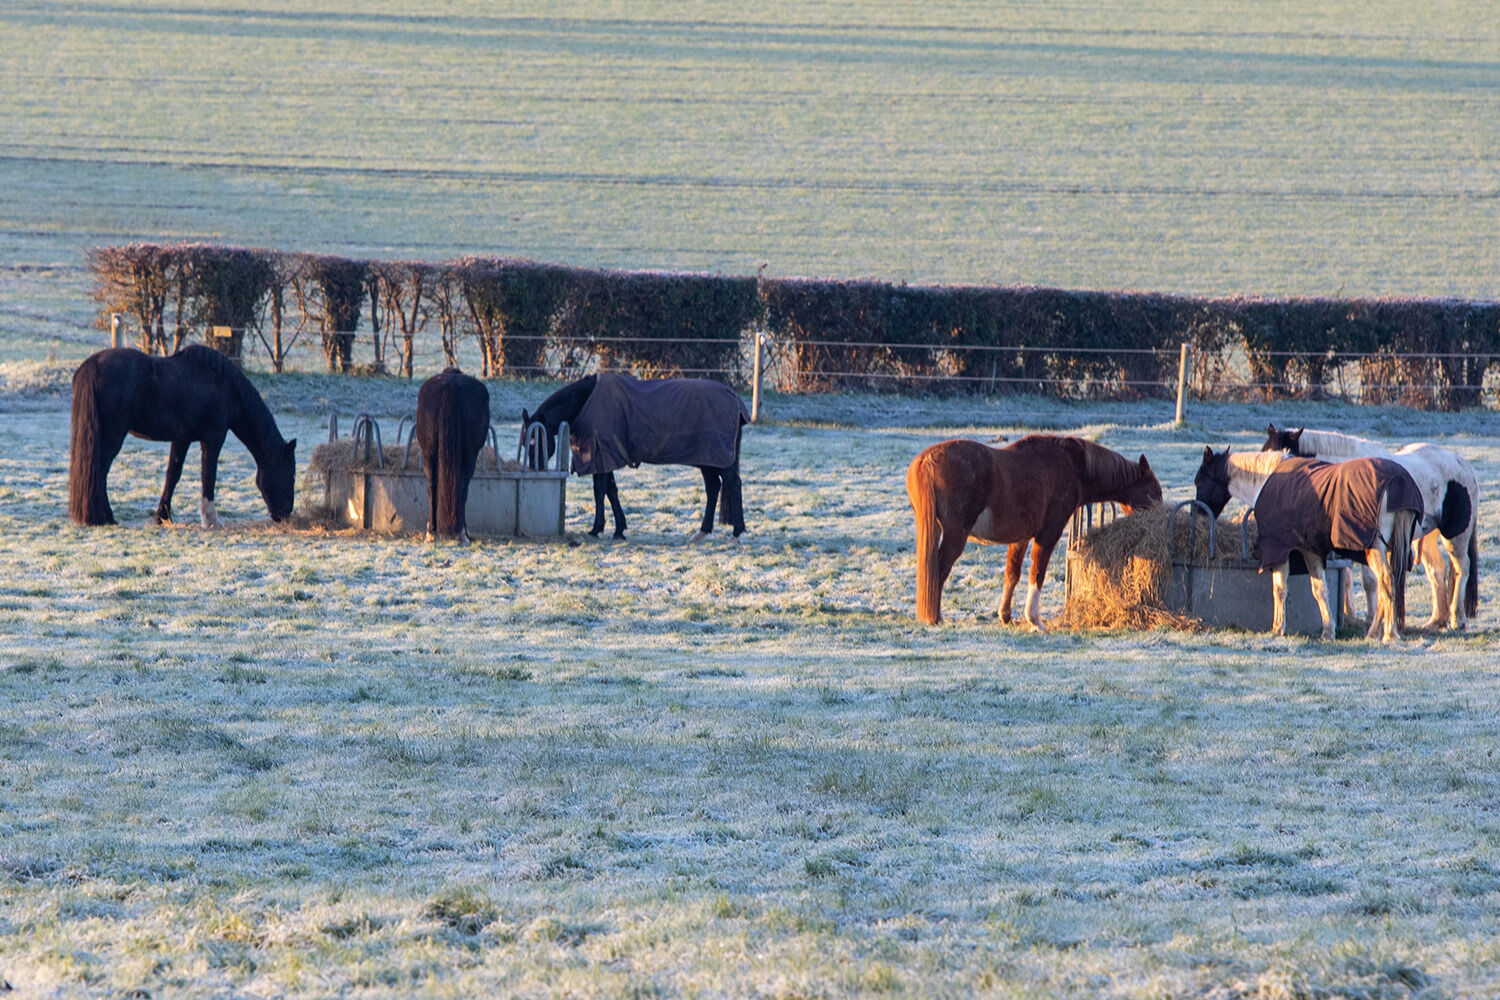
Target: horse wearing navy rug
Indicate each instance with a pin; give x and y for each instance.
(616, 420)
(453, 420)
(197, 395)
(1365, 508)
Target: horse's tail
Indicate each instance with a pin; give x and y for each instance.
(1471, 587)
(447, 462)
(929, 535)
(88, 467)
(1398, 558)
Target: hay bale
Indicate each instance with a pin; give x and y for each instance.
(1120, 571)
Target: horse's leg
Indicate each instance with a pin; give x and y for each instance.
(465, 476)
(1319, 591)
(1434, 561)
(711, 484)
(1015, 552)
(1385, 617)
(209, 450)
(175, 457)
(600, 478)
(733, 510)
(612, 493)
(1279, 576)
(432, 501)
(1041, 554)
(1370, 582)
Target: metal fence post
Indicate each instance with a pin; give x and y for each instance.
(114, 329)
(1182, 376)
(755, 382)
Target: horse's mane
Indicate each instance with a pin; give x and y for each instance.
(1332, 444)
(570, 396)
(1107, 469)
(256, 427)
(1259, 463)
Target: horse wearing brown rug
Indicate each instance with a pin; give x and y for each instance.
(1366, 508)
(616, 420)
(1023, 492)
(196, 394)
(453, 420)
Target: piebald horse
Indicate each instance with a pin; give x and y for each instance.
(1449, 545)
(1023, 492)
(1366, 507)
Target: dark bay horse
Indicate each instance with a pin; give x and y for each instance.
(453, 420)
(196, 394)
(1023, 492)
(616, 420)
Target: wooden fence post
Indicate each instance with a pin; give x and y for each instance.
(1182, 377)
(755, 382)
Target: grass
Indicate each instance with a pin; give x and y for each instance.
(276, 762)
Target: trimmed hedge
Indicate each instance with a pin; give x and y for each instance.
(533, 318)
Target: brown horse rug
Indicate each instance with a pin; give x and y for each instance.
(1328, 506)
(672, 421)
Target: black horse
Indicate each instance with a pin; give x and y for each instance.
(196, 394)
(453, 419)
(617, 420)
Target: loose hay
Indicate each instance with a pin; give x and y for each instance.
(1120, 571)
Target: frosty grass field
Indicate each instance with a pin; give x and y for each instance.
(263, 762)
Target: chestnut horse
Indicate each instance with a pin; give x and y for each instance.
(1023, 492)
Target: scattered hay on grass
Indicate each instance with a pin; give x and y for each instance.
(1120, 571)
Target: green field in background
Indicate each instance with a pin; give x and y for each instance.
(1184, 147)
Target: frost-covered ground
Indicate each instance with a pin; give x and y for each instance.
(260, 762)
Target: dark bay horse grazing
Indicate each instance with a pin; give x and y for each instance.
(1449, 537)
(616, 420)
(453, 420)
(1023, 492)
(1366, 508)
(196, 394)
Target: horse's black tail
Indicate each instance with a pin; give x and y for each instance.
(88, 465)
(448, 463)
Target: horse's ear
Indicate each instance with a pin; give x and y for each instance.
(525, 418)
(291, 446)
(1208, 453)
(1145, 465)
(1270, 430)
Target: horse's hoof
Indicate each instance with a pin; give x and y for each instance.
(463, 538)
(697, 536)
(429, 537)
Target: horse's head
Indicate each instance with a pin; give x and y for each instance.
(1142, 494)
(562, 405)
(539, 448)
(1212, 480)
(1284, 440)
(276, 478)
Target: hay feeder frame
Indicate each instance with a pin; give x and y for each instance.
(524, 501)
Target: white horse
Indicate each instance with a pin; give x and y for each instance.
(1449, 546)
(1387, 548)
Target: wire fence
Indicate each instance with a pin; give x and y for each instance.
(760, 362)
